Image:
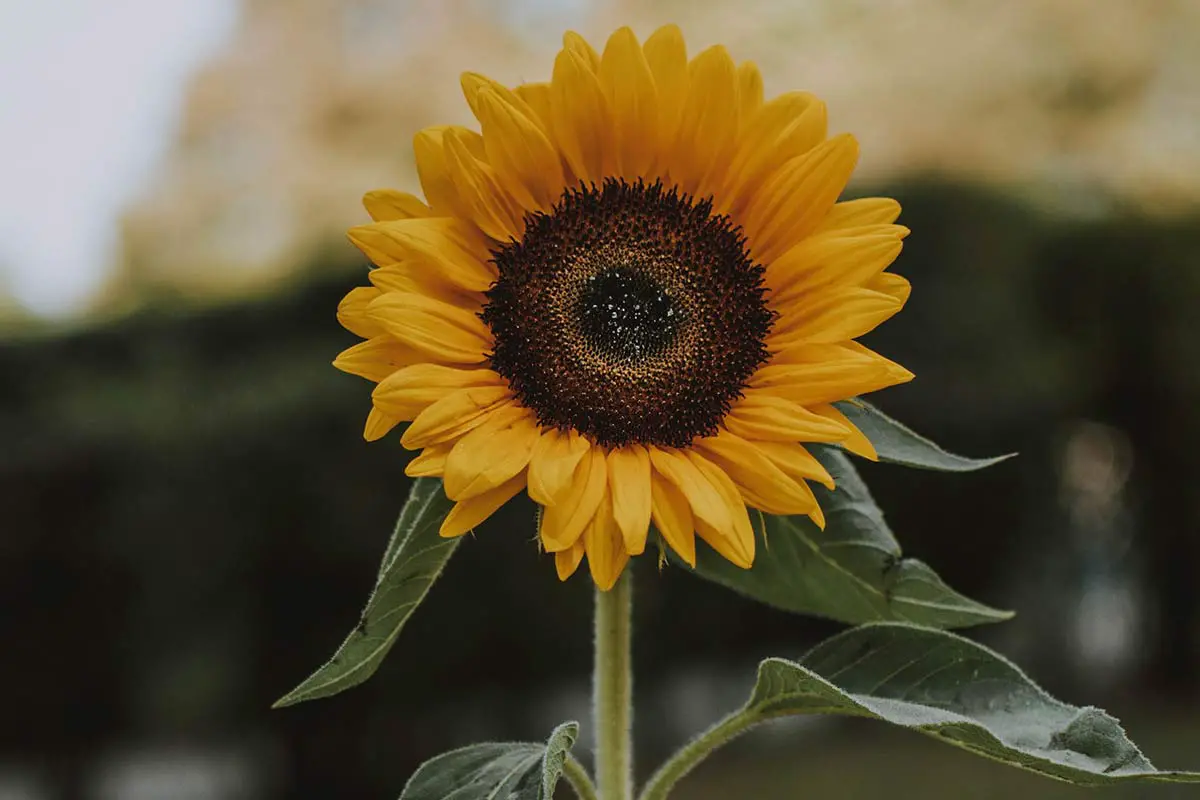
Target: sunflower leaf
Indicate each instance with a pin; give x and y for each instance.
(959, 692)
(852, 571)
(508, 770)
(898, 444)
(414, 559)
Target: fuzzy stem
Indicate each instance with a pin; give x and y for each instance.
(577, 776)
(612, 699)
(694, 752)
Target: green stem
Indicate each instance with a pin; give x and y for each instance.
(694, 752)
(577, 776)
(612, 700)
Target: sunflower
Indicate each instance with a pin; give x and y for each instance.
(634, 295)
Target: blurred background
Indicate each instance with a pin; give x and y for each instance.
(191, 520)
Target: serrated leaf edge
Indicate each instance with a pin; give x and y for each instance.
(307, 690)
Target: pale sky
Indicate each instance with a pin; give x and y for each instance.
(90, 94)
(90, 97)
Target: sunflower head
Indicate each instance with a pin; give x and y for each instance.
(644, 339)
(633, 294)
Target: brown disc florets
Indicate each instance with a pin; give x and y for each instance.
(629, 313)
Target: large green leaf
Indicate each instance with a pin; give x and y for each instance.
(852, 571)
(956, 691)
(495, 771)
(414, 559)
(898, 444)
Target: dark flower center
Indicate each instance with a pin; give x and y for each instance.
(626, 315)
(629, 313)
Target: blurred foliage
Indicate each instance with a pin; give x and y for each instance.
(863, 760)
(192, 519)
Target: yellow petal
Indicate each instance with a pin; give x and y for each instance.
(796, 462)
(797, 197)
(409, 391)
(833, 316)
(761, 416)
(895, 286)
(627, 83)
(376, 358)
(376, 245)
(446, 332)
(417, 278)
(378, 425)
(582, 122)
(455, 414)
(468, 514)
(629, 486)
(829, 262)
(817, 364)
(482, 193)
(869, 229)
(761, 482)
(387, 204)
(817, 515)
(475, 85)
(579, 46)
(708, 128)
(605, 550)
(673, 517)
(440, 244)
(352, 312)
(567, 561)
(537, 96)
(899, 373)
(487, 457)
(430, 155)
(734, 540)
(857, 442)
(666, 55)
(705, 502)
(430, 462)
(782, 129)
(857, 213)
(563, 522)
(552, 464)
(750, 90)
(820, 373)
(520, 152)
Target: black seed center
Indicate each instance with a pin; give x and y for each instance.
(626, 315)
(629, 313)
